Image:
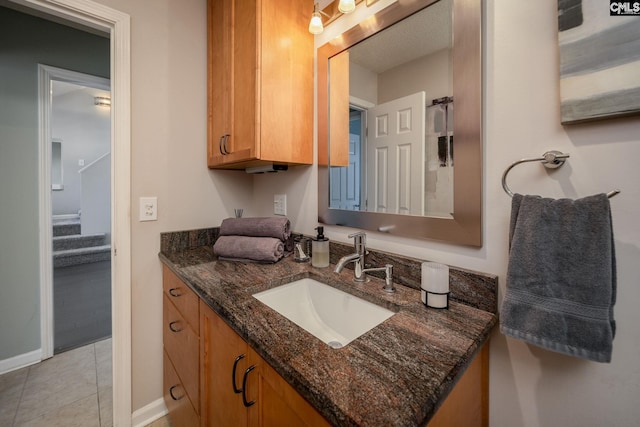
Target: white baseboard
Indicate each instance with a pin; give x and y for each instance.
(147, 414)
(20, 361)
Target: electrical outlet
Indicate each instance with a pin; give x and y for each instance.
(148, 208)
(280, 204)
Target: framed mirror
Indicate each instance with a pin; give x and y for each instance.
(56, 165)
(392, 155)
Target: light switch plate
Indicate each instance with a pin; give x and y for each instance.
(148, 208)
(280, 204)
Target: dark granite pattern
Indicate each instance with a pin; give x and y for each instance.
(178, 241)
(396, 374)
(469, 287)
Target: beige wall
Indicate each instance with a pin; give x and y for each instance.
(529, 386)
(168, 150)
(432, 74)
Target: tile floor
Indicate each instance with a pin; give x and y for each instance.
(70, 389)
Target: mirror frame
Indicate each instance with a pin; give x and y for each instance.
(466, 226)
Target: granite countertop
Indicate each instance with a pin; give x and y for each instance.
(396, 374)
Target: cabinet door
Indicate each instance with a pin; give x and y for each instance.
(276, 402)
(185, 300)
(286, 82)
(220, 349)
(468, 403)
(180, 408)
(181, 345)
(232, 68)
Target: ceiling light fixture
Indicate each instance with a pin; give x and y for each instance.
(315, 25)
(102, 101)
(347, 6)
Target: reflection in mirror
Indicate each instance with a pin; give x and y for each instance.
(56, 165)
(394, 155)
(386, 128)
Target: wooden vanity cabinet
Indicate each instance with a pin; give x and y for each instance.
(260, 83)
(468, 403)
(211, 374)
(181, 329)
(239, 388)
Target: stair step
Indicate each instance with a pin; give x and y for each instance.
(68, 257)
(66, 228)
(75, 241)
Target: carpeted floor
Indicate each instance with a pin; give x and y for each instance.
(81, 305)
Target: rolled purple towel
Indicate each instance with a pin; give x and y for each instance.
(263, 249)
(278, 227)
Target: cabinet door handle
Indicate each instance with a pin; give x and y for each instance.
(173, 387)
(244, 387)
(220, 145)
(174, 329)
(174, 292)
(236, 390)
(224, 143)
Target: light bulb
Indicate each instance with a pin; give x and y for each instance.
(347, 6)
(315, 25)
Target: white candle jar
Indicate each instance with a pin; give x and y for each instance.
(435, 285)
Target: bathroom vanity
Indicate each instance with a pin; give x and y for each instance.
(253, 366)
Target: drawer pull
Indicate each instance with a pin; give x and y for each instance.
(244, 387)
(236, 390)
(174, 292)
(173, 328)
(172, 395)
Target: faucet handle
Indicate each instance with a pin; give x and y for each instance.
(359, 241)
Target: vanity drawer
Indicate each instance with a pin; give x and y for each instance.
(182, 297)
(182, 345)
(178, 403)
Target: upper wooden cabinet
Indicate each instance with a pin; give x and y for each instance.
(260, 83)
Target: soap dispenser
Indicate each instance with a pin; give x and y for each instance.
(320, 249)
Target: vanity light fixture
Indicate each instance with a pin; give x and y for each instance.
(102, 101)
(333, 11)
(347, 6)
(315, 25)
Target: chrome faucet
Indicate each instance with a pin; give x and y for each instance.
(358, 259)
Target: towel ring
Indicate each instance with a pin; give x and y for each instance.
(552, 160)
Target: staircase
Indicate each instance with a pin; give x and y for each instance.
(72, 248)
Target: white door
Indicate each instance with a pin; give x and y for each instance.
(345, 181)
(396, 156)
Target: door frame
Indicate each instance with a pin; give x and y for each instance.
(46, 75)
(117, 24)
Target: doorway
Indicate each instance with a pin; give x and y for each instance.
(80, 207)
(117, 24)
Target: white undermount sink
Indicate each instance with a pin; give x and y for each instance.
(333, 316)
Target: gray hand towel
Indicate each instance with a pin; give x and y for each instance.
(278, 227)
(263, 249)
(561, 279)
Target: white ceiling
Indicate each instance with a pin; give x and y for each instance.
(419, 35)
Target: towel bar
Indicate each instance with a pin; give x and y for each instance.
(551, 159)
